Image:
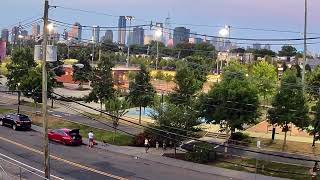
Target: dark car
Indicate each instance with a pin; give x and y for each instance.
(16, 121)
(65, 136)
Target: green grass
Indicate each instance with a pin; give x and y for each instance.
(100, 135)
(267, 168)
(4, 111)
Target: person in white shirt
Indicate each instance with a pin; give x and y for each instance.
(91, 136)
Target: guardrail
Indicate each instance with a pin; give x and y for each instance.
(12, 169)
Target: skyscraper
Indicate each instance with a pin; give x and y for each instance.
(35, 30)
(5, 35)
(122, 30)
(167, 29)
(95, 34)
(109, 35)
(14, 34)
(138, 36)
(180, 35)
(76, 32)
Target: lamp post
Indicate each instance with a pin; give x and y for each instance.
(223, 33)
(20, 40)
(50, 28)
(158, 34)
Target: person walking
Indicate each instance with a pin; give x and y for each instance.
(91, 139)
(146, 144)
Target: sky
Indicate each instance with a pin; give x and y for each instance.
(261, 14)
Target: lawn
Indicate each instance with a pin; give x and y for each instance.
(292, 146)
(267, 168)
(100, 135)
(4, 111)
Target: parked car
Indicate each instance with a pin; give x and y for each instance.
(16, 121)
(65, 136)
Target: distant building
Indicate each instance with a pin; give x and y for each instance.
(35, 30)
(5, 35)
(122, 24)
(95, 34)
(109, 35)
(14, 35)
(3, 50)
(180, 35)
(65, 35)
(130, 38)
(257, 46)
(267, 46)
(24, 33)
(195, 40)
(161, 38)
(147, 39)
(76, 32)
(138, 36)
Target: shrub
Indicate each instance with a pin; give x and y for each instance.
(202, 153)
(240, 138)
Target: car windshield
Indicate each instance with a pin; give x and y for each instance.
(24, 118)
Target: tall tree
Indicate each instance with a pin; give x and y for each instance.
(316, 125)
(313, 80)
(141, 90)
(289, 104)
(189, 80)
(288, 51)
(82, 74)
(233, 102)
(117, 107)
(184, 49)
(22, 62)
(102, 80)
(265, 78)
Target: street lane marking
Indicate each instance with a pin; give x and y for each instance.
(65, 161)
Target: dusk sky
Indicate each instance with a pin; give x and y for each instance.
(266, 14)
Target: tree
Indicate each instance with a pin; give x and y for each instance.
(82, 74)
(205, 50)
(117, 107)
(289, 104)
(185, 49)
(189, 79)
(316, 125)
(102, 80)
(141, 90)
(238, 50)
(265, 78)
(233, 102)
(313, 80)
(288, 51)
(22, 62)
(308, 68)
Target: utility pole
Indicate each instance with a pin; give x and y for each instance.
(157, 60)
(305, 44)
(44, 92)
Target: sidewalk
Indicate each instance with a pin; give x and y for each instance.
(156, 156)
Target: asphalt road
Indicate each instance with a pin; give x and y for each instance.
(84, 163)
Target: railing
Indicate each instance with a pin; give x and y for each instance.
(12, 169)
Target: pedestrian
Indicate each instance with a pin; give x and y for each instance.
(164, 145)
(146, 144)
(314, 171)
(91, 139)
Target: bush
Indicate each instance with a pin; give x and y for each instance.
(202, 153)
(240, 138)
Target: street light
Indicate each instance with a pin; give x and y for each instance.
(158, 34)
(20, 40)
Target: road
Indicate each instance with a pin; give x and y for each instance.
(84, 163)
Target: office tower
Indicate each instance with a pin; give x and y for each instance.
(167, 34)
(76, 32)
(5, 35)
(257, 46)
(14, 34)
(95, 34)
(138, 36)
(180, 35)
(109, 35)
(35, 30)
(122, 30)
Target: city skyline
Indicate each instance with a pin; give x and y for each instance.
(253, 15)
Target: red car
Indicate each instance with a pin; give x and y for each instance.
(66, 136)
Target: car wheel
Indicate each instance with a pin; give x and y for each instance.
(14, 127)
(1, 123)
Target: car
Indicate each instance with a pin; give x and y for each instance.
(16, 121)
(65, 136)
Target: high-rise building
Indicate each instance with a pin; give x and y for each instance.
(130, 38)
(180, 35)
(35, 30)
(138, 36)
(195, 40)
(65, 35)
(24, 33)
(14, 34)
(76, 32)
(122, 30)
(267, 46)
(109, 35)
(95, 34)
(257, 46)
(5, 35)
(167, 34)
